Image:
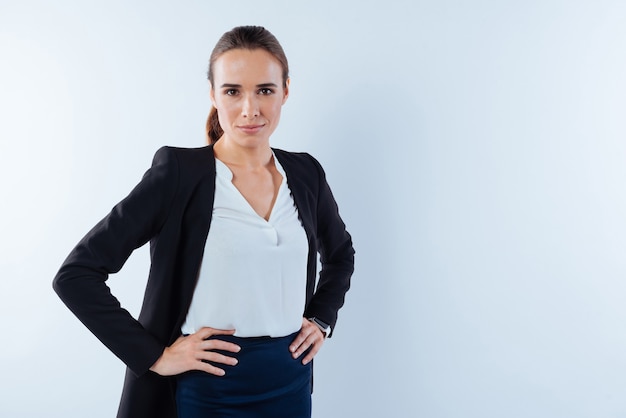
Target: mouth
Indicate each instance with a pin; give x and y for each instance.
(250, 129)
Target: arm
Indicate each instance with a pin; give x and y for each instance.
(334, 244)
(337, 258)
(81, 280)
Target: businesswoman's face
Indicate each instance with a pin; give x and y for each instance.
(248, 93)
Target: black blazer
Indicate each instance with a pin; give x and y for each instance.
(171, 207)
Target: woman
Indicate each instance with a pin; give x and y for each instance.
(231, 317)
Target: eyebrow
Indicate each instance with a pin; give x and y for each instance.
(263, 85)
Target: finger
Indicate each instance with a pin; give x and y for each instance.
(307, 336)
(312, 352)
(314, 340)
(218, 358)
(219, 345)
(209, 368)
(207, 332)
(308, 342)
(297, 342)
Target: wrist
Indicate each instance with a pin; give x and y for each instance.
(323, 326)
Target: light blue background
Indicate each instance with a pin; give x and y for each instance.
(476, 148)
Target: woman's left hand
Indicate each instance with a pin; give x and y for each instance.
(309, 337)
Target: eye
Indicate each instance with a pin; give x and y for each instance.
(231, 92)
(266, 91)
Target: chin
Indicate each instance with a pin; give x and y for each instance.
(252, 141)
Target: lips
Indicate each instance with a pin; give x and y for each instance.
(251, 129)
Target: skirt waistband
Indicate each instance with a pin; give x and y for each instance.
(266, 369)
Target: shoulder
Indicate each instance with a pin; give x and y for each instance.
(300, 162)
(186, 160)
(184, 154)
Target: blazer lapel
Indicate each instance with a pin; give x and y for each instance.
(195, 226)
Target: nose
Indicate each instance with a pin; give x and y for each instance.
(250, 107)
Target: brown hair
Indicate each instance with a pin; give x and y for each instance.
(242, 37)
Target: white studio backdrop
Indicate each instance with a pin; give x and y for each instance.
(476, 150)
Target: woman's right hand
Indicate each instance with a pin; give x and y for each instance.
(192, 352)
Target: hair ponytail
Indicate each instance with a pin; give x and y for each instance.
(213, 129)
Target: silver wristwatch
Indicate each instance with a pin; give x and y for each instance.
(323, 326)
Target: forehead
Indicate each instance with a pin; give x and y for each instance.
(244, 66)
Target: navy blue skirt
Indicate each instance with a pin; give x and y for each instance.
(266, 382)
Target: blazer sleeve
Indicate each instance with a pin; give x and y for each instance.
(334, 245)
(81, 280)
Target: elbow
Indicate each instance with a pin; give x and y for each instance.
(59, 285)
(65, 283)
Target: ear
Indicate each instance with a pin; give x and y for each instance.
(212, 95)
(286, 90)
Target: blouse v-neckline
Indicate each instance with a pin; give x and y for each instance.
(224, 172)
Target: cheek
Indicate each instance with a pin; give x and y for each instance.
(275, 109)
(223, 119)
(225, 113)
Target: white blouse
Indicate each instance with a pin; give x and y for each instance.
(253, 274)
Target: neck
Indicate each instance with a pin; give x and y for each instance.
(251, 157)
